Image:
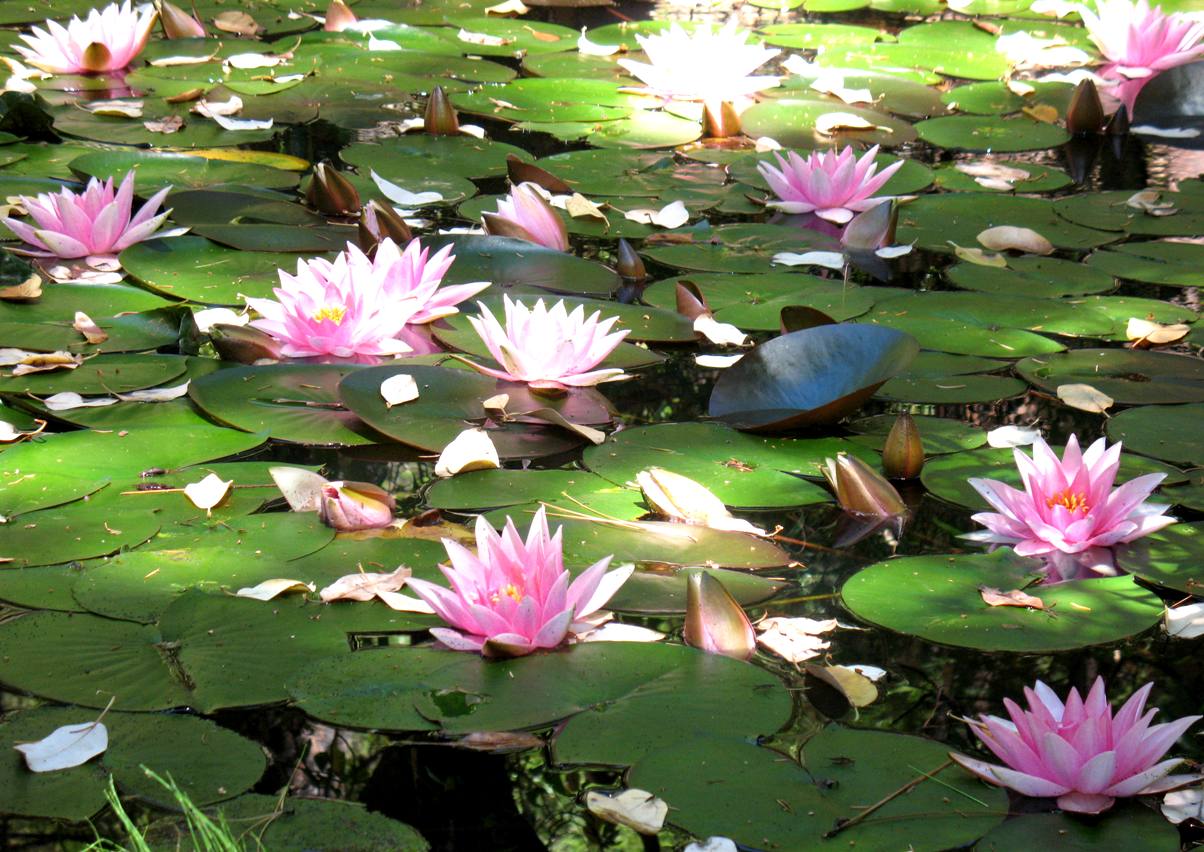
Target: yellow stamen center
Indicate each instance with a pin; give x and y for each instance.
(334, 313)
(1073, 502)
(509, 590)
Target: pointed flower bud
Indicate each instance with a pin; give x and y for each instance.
(715, 622)
(873, 228)
(379, 222)
(244, 344)
(440, 118)
(1085, 113)
(629, 264)
(903, 453)
(720, 120)
(179, 24)
(330, 193)
(1118, 124)
(349, 506)
(338, 17)
(861, 490)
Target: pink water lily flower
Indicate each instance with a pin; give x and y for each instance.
(830, 185)
(1079, 751)
(512, 597)
(107, 40)
(1068, 505)
(1139, 43)
(344, 308)
(548, 347)
(708, 64)
(527, 215)
(416, 274)
(95, 223)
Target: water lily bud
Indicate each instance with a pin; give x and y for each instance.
(1118, 124)
(244, 344)
(179, 24)
(720, 120)
(349, 506)
(903, 453)
(378, 221)
(338, 17)
(861, 490)
(715, 623)
(1085, 113)
(630, 264)
(440, 118)
(331, 193)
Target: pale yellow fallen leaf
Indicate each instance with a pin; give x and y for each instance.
(472, 449)
(269, 589)
(398, 389)
(1011, 237)
(636, 809)
(208, 493)
(1085, 398)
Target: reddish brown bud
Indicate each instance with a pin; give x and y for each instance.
(440, 118)
(330, 193)
(720, 121)
(903, 453)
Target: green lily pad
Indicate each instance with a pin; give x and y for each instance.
(508, 262)
(792, 122)
(209, 763)
(1167, 432)
(200, 270)
(105, 374)
(154, 170)
(1131, 377)
(755, 302)
(1109, 211)
(951, 389)
(418, 154)
(291, 402)
(1171, 557)
(990, 133)
(744, 471)
(319, 825)
(995, 98)
(1041, 178)
(1032, 277)
(71, 533)
(934, 221)
(746, 248)
(1113, 832)
(937, 598)
(1154, 262)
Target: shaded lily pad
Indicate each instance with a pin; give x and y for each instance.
(1153, 262)
(1131, 377)
(812, 376)
(1112, 833)
(194, 268)
(1032, 277)
(508, 262)
(755, 302)
(320, 825)
(936, 598)
(290, 402)
(1167, 432)
(933, 221)
(988, 133)
(939, 435)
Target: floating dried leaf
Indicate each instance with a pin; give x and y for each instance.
(269, 589)
(1014, 597)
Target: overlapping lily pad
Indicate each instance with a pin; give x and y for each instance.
(1132, 377)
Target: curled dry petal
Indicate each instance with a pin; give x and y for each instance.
(1078, 749)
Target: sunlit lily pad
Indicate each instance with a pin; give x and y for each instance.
(154, 171)
(1152, 262)
(988, 133)
(1032, 277)
(934, 221)
(792, 122)
(1167, 432)
(937, 598)
(199, 270)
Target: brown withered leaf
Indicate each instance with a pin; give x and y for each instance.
(1015, 597)
(167, 124)
(499, 742)
(42, 362)
(238, 23)
(27, 290)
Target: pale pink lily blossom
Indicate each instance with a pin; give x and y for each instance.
(548, 348)
(1079, 751)
(513, 597)
(1139, 42)
(358, 306)
(94, 224)
(1068, 505)
(106, 40)
(416, 274)
(526, 214)
(709, 64)
(833, 186)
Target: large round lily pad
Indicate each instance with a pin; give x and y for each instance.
(1172, 557)
(937, 598)
(199, 270)
(1167, 432)
(990, 133)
